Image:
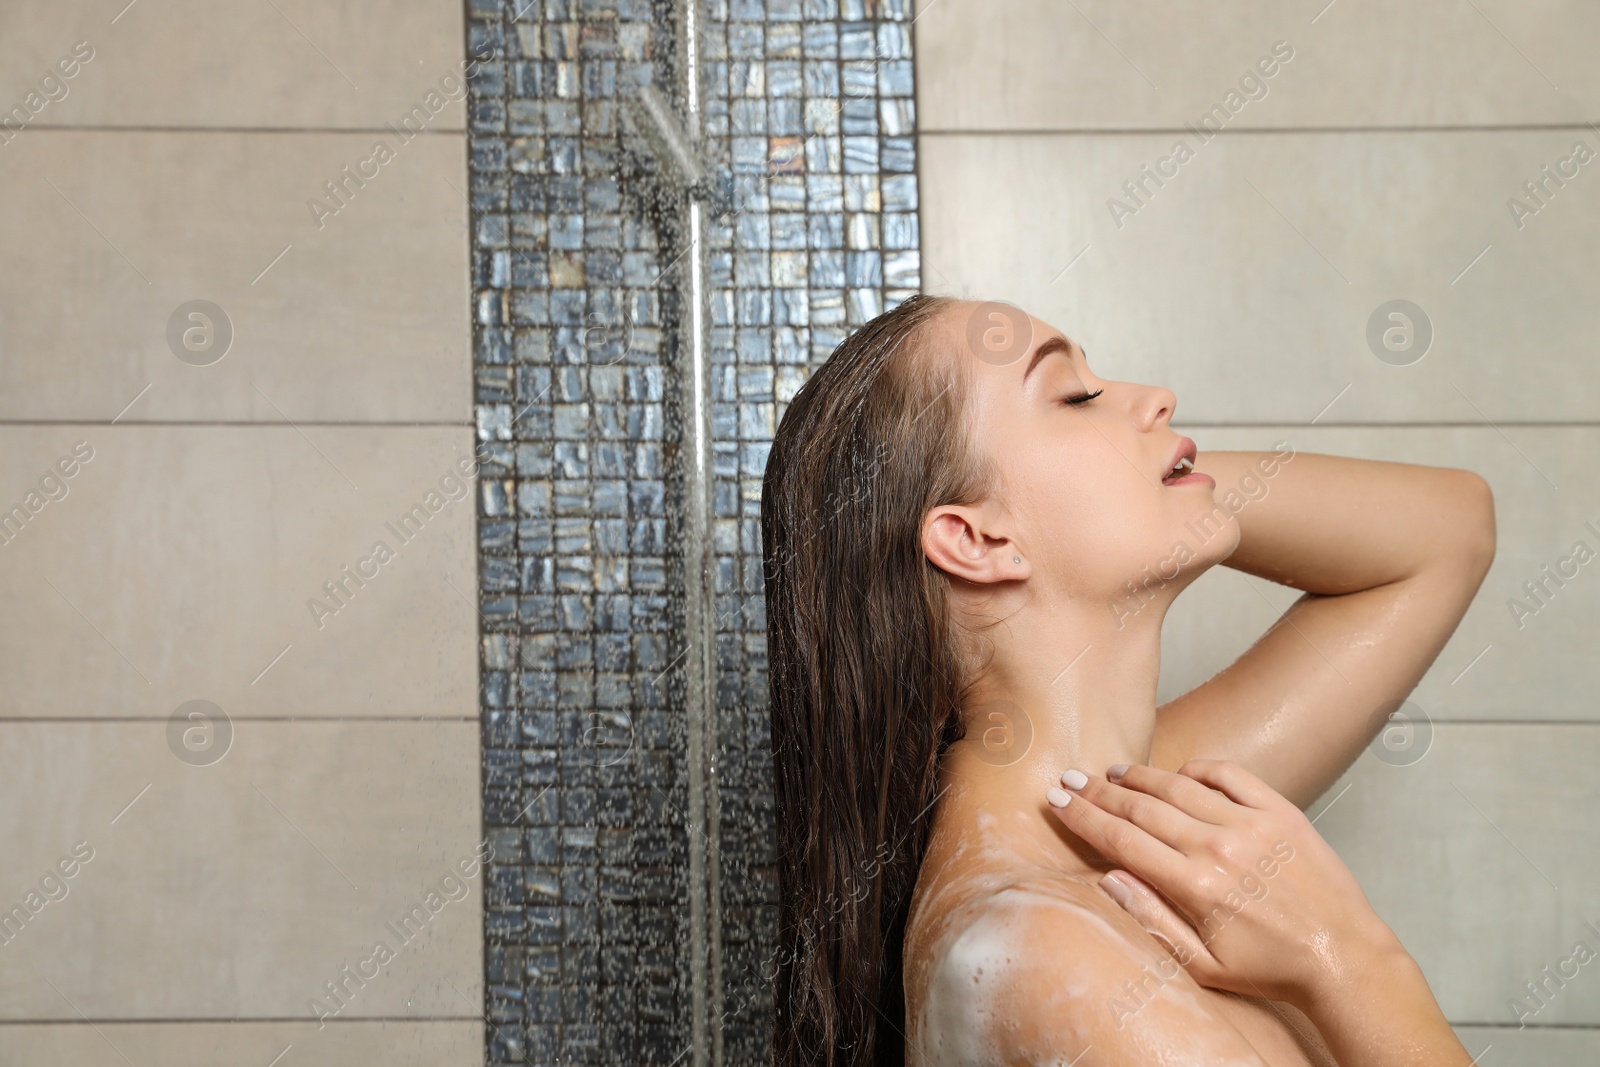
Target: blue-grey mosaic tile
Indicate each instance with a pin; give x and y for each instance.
(809, 106)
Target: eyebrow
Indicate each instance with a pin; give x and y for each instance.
(1054, 344)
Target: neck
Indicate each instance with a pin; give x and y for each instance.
(1072, 688)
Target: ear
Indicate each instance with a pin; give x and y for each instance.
(955, 539)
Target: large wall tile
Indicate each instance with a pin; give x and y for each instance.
(238, 888)
(285, 64)
(1114, 64)
(358, 316)
(1479, 856)
(1248, 280)
(181, 563)
(197, 1044)
(1508, 1046)
(1500, 663)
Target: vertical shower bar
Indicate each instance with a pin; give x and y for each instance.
(705, 913)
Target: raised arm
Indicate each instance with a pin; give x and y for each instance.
(1389, 555)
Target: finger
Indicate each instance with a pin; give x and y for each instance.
(1165, 924)
(1118, 839)
(1158, 917)
(1153, 814)
(1194, 798)
(1238, 784)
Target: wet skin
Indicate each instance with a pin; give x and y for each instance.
(1388, 556)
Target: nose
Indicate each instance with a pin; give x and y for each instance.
(1156, 404)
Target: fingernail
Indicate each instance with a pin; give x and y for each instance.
(1058, 798)
(1116, 770)
(1116, 890)
(1074, 779)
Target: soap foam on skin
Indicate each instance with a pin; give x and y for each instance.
(967, 1006)
(982, 898)
(966, 1003)
(965, 1000)
(972, 937)
(959, 1010)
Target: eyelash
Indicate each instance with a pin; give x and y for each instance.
(1084, 399)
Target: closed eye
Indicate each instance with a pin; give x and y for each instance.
(1083, 399)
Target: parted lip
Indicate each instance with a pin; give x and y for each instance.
(1186, 450)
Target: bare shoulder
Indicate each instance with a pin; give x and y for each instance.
(1051, 975)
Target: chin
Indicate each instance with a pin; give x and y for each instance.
(1220, 543)
(1210, 530)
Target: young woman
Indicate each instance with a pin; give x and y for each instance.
(971, 541)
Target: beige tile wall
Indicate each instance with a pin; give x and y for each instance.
(182, 507)
(237, 888)
(288, 64)
(1464, 854)
(1143, 64)
(192, 561)
(1377, 163)
(202, 1044)
(1319, 229)
(358, 316)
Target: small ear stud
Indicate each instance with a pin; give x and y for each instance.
(1016, 559)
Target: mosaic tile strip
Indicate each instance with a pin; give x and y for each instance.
(809, 105)
(812, 105)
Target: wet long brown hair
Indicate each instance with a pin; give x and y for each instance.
(866, 673)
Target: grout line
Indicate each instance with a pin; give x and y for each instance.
(6, 719)
(430, 129)
(470, 425)
(85, 1018)
(1134, 131)
(1383, 425)
(1578, 424)
(298, 1020)
(1534, 1026)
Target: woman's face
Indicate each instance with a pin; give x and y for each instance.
(1082, 485)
